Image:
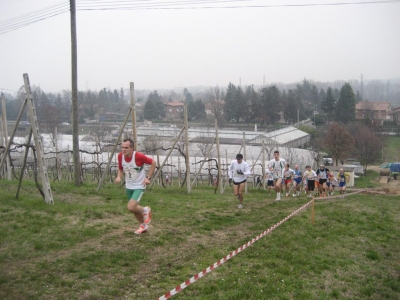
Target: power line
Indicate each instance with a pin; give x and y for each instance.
(36, 16)
(167, 5)
(31, 14)
(86, 5)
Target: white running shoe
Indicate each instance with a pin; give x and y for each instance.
(294, 195)
(143, 228)
(240, 205)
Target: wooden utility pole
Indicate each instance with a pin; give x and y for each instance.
(74, 79)
(134, 131)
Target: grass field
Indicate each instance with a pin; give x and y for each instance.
(391, 150)
(83, 246)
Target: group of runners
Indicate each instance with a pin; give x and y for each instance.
(131, 168)
(281, 177)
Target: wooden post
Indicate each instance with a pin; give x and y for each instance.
(227, 169)
(48, 195)
(179, 171)
(263, 166)
(244, 157)
(172, 176)
(220, 183)
(160, 179)
(188, 186)
(58, 161)
(312, 211)
(5, 134)
(133, 109)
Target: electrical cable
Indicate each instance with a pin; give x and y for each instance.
(160, 5)
(27, 19)
(56, 6)
(86, 5)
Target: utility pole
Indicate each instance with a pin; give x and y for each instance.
(74, 79)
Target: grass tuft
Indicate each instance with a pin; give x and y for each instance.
(83, 246)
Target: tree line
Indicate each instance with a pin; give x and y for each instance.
(265, 106)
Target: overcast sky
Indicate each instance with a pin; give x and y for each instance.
(167, 48)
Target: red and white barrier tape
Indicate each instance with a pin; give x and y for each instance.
(229, 256)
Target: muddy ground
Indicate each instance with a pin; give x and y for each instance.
(392, 187)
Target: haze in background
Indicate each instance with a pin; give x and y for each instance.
(162, 49)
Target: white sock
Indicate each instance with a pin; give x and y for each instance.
(145, 210)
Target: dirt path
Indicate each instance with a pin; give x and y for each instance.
(392, 187)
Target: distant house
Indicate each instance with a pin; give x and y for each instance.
(378, 112)
(173, 110)
(395, 115)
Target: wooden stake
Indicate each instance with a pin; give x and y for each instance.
(312, 211)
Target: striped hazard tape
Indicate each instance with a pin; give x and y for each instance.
(229, 256)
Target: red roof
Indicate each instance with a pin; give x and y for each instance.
(373, 105)
(174, 104)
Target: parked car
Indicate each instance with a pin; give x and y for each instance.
(328, 161)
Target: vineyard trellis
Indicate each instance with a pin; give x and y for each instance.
(179, 159)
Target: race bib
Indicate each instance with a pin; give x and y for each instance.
(131, 174)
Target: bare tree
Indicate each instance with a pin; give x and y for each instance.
(338, 141)
(216, 104)
(151, 144)
(367, 143)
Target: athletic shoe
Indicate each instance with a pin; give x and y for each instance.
(147, 216)
(278, 198)
(240, 206)
(298, 193)
(294, 195)
(142, 229)
(287, 194)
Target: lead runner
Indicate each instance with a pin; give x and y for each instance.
(131, 165)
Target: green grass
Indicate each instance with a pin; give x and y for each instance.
(391, 150)
(83, 246)
(370, 180)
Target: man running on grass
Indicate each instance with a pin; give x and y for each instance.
(277, 164)
(238, 171)
(342, 177)
(131, 165)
